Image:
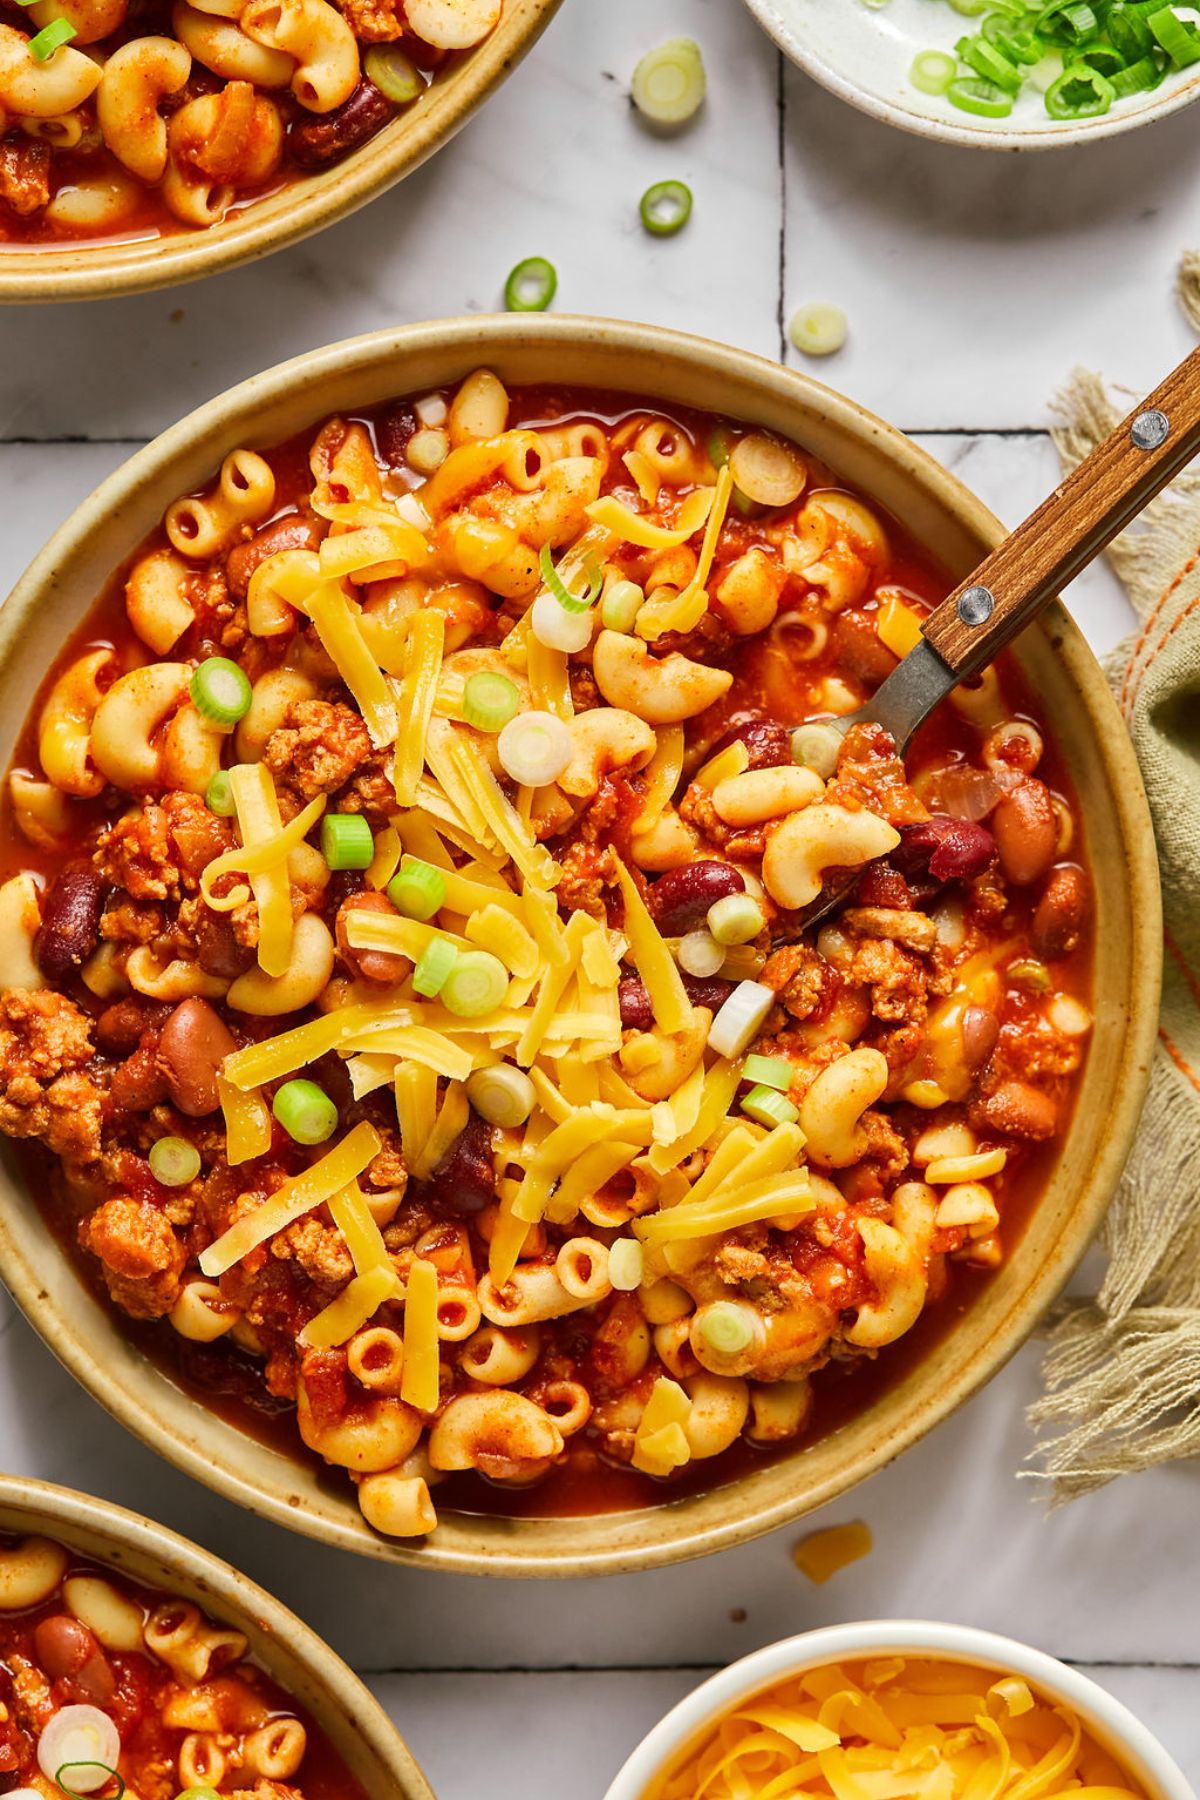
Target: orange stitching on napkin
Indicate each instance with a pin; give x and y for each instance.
(1179, 1060)
(1165, 639)
(1152, 618)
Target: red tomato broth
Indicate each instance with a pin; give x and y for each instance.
(585, 1480)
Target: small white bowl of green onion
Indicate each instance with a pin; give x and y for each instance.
(1004, 74)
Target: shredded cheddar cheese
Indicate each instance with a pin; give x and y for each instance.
(364, 1240)
(632, 528)
(684, 611)
(655, 964)
(660, 1444)
(420, 1381)
(822, 1554)
(261, 829)
(418, 690)
(318, 1184)
(247, 1123)
(350, 1310)
(266, 854)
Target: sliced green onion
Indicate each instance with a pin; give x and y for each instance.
(433, 966)
(1080, 93)
(735, 919)
(476, 985)
(218, 795)
(1066, 21)
(1013, 39)
(700, 954)
(174, 1161)
(531, 286)
(741, 1018)
(221, 692)
(818, 329)
(720, 446)
(534, 748)
(768, 1071)
(979, 97)
(817, 746)
(766, 1106)
(1136, 78)
(726, 1328)
(346, 841)
(552, 625)
(668, 84)
(626, 1265)
(988, 63)
(1179, 39)
(932, 71)
(418, 889)
(305, 1111)
(502, 1095)
(621, 606)
(202, 1793)
(50, 38)
(490, 700)
(666, 208)
(393, 74)
(572, 603)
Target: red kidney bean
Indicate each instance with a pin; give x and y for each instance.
(294, 531)
(70, 928)
(768, 742)
(120, 1027)
(138, 1083)
(372, 965)
(317, 142)
(680, 899)
(637, 1014)
(709, 990)
(1026, 832)
(217, 948)
(68, 1652)
(980, 1029)
(950, 849)
(466, 1177)
(1018, 1109)
(394, 431)
(1060, 913)
(195, 1042)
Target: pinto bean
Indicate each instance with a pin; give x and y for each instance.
(317, 142)
(768, 742)
(1060, 913)
(372, 965)
(194, 1043)
(294, 531)
(1018, 1109)
(950, 849)
(121, 1026)
(680, 899)
(1026, 831)
(139, 1083)
(980, 1029)
(466, 1176)
(70, 927)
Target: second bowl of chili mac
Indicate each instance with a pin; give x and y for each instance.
(430, 1121)
(142, 149)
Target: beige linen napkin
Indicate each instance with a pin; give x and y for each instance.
(1122, 1371)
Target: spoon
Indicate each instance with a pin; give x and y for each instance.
(1019, 578)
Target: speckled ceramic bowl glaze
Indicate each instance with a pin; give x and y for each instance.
(1112, 1725)
(304, 1667)
(863, 51)
(110, 267)
(56, 592)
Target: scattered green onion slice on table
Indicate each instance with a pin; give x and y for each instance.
(417, 889)
(768, 1071)
(572, 603)
(346, 841)
(531, 286)
(218, 795)
(305, 1111)
(221, 692)
(490, 700)
(50, 38)
(174, 1162)
(666, 207)
(434, 964)
(476, 985)
(767, 1106)
(393, 73)
(668, 84)
(621, 606)
(818, 329)
(502, 1095)
(735, 919)
(726, 1328)
(932, 71)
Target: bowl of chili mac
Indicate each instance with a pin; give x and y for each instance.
(948, 1709)
(428, 1121)
(131, 1661)
(139, 152)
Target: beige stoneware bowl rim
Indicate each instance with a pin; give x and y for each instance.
(109, 269)
(670, 366)
(1144, 109)
(158, 1557)
(1120, 1730)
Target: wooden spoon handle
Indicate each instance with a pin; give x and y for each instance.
(1094, 503)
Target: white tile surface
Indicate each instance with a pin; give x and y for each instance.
(973, 285)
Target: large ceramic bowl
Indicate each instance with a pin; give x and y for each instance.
(1112, 1725)
(863, 52)
(306, 204)
(292, 1655)
(56, 592)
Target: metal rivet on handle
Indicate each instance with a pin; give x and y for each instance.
(1150, 429)
(976, 605)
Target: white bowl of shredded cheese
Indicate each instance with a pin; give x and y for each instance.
(896, 1706)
